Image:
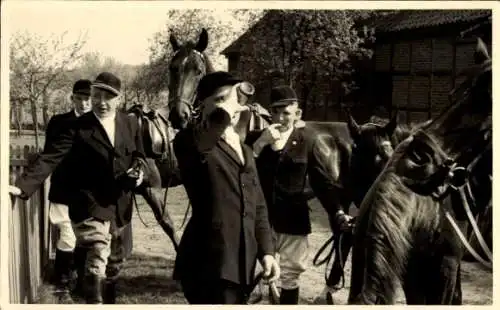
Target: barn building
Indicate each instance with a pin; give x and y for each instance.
(417, 61)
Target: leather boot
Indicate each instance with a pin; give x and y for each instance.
(109, 296)
(289, 297)
(80, 257)
(274, 300)
(94, 287)
(62, 268)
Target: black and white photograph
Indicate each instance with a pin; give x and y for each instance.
(247, 152)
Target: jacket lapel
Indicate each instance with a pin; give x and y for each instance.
(96, 136)
(230, 151)
(294, 140)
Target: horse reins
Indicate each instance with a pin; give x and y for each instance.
(336, 241)
(447, 171)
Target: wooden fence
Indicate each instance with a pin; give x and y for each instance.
(30, 244)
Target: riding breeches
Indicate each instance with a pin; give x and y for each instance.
(95, 236)
(292, 254)
(59, 216)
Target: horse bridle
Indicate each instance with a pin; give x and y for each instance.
(450, 176)
(190, 103)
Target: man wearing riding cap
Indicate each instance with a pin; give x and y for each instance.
(286, 154)
(229, 228)
(104, 163)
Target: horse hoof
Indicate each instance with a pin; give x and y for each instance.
(329, 298)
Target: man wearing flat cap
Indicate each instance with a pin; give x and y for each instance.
(286, 153)
(229, 229)
(104, 156)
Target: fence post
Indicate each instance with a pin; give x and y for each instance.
(28, 233)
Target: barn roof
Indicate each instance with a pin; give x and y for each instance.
(236, 45)
(416, 19)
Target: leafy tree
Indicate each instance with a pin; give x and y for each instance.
(306, 47)
(223, 27)
(36, 64)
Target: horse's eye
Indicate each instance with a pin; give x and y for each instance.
(419, 157)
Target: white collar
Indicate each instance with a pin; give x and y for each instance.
(106, 119)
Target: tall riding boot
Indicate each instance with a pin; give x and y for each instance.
(109, 294)
(63, 263)
(289, 297)
(94, 288)
(79, 265)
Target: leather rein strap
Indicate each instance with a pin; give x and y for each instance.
(442, 182)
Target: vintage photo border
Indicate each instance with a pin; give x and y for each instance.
(4, 106)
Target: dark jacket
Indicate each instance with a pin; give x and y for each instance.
(229, 227)
(97, 184)
(59, 126)
(283, 178)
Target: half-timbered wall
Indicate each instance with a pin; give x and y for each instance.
(418, 74)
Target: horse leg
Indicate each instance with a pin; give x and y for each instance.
(414, 281)
(457, 296)
(371, 280)
(165, 221)
(443, 288)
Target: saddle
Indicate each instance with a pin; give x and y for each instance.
(157, 138)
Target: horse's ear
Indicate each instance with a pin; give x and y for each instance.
(354, 129)
(481, 53)
(173, 41)
(202, 41)
(391, 126)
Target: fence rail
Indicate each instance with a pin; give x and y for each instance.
(30, 243)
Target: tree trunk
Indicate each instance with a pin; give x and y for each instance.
(19, 110)
(45, 109)
(34, 117)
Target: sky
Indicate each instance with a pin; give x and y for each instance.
(120, 30)
(123, 29)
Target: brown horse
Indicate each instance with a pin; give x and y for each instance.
(407, 226)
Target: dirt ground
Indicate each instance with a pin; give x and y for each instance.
(146, 277)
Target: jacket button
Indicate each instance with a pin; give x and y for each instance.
(243, 185)
(245, 214)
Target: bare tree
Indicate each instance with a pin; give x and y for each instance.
(35, 65)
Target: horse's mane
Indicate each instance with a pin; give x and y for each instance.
(402, 131)
(389, 207)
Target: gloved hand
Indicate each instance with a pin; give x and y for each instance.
(342, 221)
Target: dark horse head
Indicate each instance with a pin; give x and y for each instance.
(371, 149)
(188, 65)
(407, 227)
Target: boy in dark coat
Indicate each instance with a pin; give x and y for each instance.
(285, 155)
